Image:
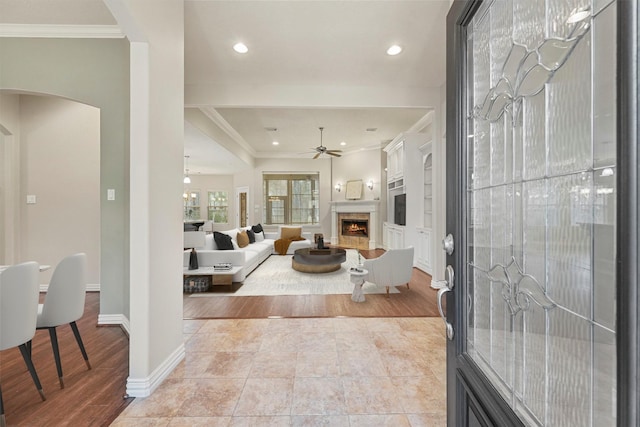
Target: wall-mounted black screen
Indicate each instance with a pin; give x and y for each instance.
(400, 209)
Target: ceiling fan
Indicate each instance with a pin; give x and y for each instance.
(321, 149)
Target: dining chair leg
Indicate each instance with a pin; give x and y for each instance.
(32, 370)
(56, 354)
(76, 333)
(29, 347)
(3, 421)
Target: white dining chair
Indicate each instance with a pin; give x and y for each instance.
(19, 290)
(64, 303)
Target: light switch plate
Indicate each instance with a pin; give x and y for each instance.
(31, 199)
(111, 194)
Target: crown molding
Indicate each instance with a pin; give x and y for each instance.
(216, 118)
(61, 31)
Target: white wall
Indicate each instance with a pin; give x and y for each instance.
(94, 72)
(10, 177)
(61, 167)
(156, 32)
(363, 165)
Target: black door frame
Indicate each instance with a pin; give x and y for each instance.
(462, 372)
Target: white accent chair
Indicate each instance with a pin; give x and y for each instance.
(392, 268)
(64, 303)
(19, 290)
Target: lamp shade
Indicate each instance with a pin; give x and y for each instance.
(194, 239)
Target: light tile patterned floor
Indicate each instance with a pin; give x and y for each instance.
(303, 372)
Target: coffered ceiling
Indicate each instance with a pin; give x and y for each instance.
(310, 64)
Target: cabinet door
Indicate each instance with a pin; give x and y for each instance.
(423, 250)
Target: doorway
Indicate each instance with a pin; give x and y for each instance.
(242, 209)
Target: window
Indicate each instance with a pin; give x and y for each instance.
(218, 207)
(191, 204)
(291, 198)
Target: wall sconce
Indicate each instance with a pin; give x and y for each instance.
(338, 187)
(370, 185)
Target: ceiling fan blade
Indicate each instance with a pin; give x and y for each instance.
(333, 154)
(334, 151)
(316, 156)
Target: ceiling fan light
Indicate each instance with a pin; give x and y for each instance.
(394, 50)
(240, 48)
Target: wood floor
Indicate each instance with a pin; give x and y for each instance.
(417, 301)
(96, 397)
(90, 398)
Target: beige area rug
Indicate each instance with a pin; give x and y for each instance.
(276, 277)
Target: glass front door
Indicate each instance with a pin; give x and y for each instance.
(532, 197)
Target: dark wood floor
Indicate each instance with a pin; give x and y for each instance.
(96, 397)
(417, 301)
(90, 398)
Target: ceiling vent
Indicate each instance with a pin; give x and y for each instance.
(271, 129)
(372, 129)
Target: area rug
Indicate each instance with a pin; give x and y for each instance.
(276, 277)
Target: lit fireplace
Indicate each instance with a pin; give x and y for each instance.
(355, 227)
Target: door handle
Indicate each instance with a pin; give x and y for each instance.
(447, 244)
(447, 287)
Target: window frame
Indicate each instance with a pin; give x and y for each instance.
(292, 201)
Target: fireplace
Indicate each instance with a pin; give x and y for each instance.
(355, 227)
(354, 223)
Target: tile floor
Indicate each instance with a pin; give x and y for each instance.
(302, 372)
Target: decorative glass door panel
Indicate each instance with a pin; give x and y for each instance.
(541, 206)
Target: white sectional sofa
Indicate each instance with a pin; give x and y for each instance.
(249, 257)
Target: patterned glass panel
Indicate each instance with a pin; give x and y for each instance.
(542, 206)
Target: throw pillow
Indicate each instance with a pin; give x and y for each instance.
(252, 236)
(290, 232)
(223, 241)
(257, 228)
(243, 239)
(259, 236)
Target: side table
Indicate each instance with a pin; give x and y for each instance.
(358, 279)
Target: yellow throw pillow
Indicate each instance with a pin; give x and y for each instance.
(243, 239)
(291, 233)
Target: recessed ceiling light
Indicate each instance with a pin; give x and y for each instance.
(275, 143)
(343, 143)
(394, 50)
(240, 48)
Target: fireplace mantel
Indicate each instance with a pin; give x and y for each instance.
(356, 206)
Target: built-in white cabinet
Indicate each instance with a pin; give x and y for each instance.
(393, 236)
(395, 166)
(423, 250)
(427, 178)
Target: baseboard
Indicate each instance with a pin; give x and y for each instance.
(143, 387)
(115, 319)
(91, 287)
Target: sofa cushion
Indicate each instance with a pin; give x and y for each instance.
(223, 241)
(252, 236)
(290, 232)
(242, 238)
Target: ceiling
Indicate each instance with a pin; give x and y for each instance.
(310, 64)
